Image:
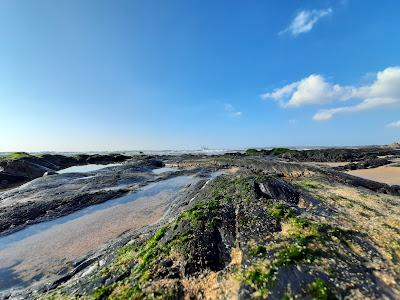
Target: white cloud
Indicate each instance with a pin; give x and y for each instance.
(395, 124)
(314, 89)
(311, 90)
(305, 20)
(231, 111)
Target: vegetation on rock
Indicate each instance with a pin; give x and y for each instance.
(279, 151)
(15, 156)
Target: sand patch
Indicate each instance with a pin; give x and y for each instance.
(385, 174)
(232, 170)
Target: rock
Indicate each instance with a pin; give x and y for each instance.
(48, 173)
(166, 263)
(152, 162)
(338, 155)
(365, 164)
(275, 188)
(8, 180)
(394, 146)
(106, 158)
(26, 168)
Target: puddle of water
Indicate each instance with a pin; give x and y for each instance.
(147, 191)
(85, 168)
(41, 250)
(164, 170)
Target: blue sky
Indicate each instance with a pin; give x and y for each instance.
(181, 74)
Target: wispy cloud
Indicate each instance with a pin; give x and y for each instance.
(305, 20)
(231, 111)
(395, 124)
(315, 90)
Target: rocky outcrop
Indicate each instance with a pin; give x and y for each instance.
(100, 158)
(338, 155)
(25, 169)
(365, 164)
(28, 167)
(254, 164)
(239, 237)
(288, 169)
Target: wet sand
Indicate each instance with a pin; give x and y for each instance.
(385, 174)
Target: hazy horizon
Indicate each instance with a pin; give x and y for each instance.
(204, 149)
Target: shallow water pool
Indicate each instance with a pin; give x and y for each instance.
(85, 168)
(41, 251)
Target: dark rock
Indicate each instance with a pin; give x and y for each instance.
(166, 263)
(153, 163)
(206, 251)
(235, 154)
(365, 164)
(295, 277)
(24, 168)
(275, 188)
(21, 170)
(338, 155)
(106, 159)
(9, 180)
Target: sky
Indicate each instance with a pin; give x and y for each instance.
(184, 74)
